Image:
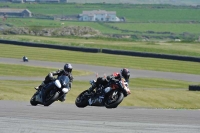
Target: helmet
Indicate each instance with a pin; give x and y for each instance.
(125, 73)
(68, 68)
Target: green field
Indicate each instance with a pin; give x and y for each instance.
(111, 28)
(146, 92)
(133, 13)
(152, 22)
(186, 49)
(173, 2)
(159, 27)
(15, 70)
(100, 59)
(142, 21)
(154, 93)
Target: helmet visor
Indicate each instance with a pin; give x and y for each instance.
(68, 70)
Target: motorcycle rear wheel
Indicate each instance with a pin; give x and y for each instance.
(49, 100)
(117, 99)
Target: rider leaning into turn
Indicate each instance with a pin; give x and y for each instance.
(123, 76)
(124, 73)
(67, 70)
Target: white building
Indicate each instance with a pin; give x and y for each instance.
(98, 15)
(18, 1)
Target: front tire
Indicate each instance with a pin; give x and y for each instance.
(113, 102)
(32, 101)
(81, 101)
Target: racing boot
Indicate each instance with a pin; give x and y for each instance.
(101, 96)
(40, 86)
(96, 100)
(92, 100)
(62, 99)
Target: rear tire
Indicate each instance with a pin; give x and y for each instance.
(51, 100)
(117, 102)
(81, 101)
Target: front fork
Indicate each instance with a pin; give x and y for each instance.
(38, 96)
(41, 93)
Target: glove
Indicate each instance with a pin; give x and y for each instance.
(51, 77)
(71, 78)
(127, 90)
(70, 85)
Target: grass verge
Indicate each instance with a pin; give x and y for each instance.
(16, 70)
(188, 49)
(146, 92)
(99, 59)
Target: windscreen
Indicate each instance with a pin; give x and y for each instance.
(64, 80)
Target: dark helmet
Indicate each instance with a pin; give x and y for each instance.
(125, 73)
(68, 68)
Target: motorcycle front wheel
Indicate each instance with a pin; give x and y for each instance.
(81, 100)
(32, 101)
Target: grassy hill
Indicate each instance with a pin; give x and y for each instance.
(151, 22)
(173, 2)
(132, 13)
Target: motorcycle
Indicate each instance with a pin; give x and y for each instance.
(51, 92)
(113, 95)
(25, 59)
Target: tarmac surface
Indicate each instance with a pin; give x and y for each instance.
(21, 117)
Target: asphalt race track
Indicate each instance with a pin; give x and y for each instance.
(21, 117)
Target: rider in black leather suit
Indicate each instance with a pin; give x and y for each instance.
(105, 82)
(67, 70)
(124, 73)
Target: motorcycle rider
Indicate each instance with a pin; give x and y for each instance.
(25, 58)
(124, 73)
(116, 78)
(67, 70)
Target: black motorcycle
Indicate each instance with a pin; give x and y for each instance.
(25, 59)
(113, 95)
(51, 92)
